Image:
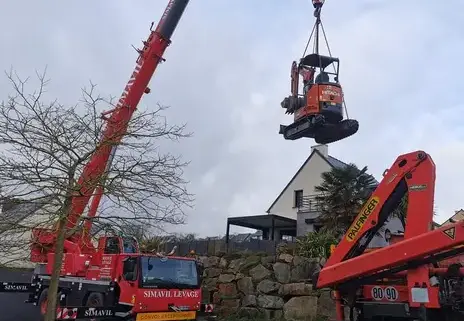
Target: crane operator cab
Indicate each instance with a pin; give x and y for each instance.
(318, 111)
(119, 245)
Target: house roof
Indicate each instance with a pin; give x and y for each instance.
(259, 222)
(457, 216)
(15, 211)
(335, 162)
(332, 161)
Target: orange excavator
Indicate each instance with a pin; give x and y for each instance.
(319, 110)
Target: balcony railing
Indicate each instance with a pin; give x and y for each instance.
(308, 203)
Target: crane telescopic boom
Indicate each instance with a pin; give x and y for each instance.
(149, 58)
(117, 119)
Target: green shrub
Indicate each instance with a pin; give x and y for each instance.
(151, 244)
(315, 244)
(284, 248)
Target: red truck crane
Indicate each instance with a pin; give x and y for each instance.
(114, 279)
(419, 277)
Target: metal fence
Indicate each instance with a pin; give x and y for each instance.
(216, 247)
(309, 203)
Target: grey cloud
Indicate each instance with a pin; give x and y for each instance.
(224, 53)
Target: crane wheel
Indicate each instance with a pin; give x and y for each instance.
(43, 303)
(94, 300)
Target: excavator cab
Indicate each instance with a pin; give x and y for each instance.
(323, 95)
(318, 110)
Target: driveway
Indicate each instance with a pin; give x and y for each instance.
(12, 305)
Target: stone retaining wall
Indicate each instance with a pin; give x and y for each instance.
(253, 286)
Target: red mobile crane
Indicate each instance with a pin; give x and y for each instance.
(117, 121)
(420, 277)
(115, 279)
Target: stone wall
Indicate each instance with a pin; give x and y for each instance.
(255, 286)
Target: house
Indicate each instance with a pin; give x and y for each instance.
(458, 216)
(294, 212)
(17, 218)
(297, 198)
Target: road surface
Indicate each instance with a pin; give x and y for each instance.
(12, 305)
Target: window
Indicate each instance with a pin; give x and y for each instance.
(129, 245)
(112, 245)
(129, 271)
(298, 198)
(169, 273)
(288, 238)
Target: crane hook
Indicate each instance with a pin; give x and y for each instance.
(317, 4)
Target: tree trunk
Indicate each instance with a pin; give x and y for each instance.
(54, 280)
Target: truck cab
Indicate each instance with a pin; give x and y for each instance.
(161, 287)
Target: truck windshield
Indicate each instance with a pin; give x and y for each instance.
(169, 273)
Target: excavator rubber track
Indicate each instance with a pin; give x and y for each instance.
(324, 133)
(331, 133)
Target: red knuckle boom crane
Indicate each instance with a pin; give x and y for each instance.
(421, 276)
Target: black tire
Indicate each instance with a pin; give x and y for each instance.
(42, 303)
(94, 300)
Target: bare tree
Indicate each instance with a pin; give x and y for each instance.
(44, 148)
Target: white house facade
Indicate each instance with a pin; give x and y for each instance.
(296, 200)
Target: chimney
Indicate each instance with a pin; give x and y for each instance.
(323, 149)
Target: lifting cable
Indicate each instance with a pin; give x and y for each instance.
(309, 40)
(317, 14)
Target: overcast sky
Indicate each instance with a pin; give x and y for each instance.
(228, 69)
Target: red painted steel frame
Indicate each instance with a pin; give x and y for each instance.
(420, 241)
(369, 215)
(423, 172)
(417, 247)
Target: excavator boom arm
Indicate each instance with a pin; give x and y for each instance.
(294, 75)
